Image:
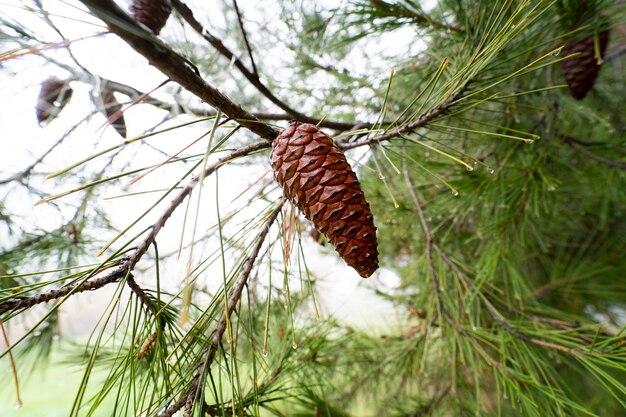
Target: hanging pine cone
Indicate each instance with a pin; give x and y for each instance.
(316, 176)
(581, 72)
(115, 117)
(53, 96)
(151, 13)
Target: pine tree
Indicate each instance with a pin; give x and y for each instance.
(496, 186)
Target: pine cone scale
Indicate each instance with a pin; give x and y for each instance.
(53, 97)
(151, 13)
(316, 177)
(113, 111)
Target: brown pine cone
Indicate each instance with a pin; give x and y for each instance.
(316, 176)
(115, 117)
(316, 235)
(151, 13)
(581, 72)
(53, 96)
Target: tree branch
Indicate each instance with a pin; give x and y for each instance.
(134, 93)
(173, 65)
(140, 250)
(245, 38)
(233, 300)
(217, 43)
(491, 310)
(582, 149)
(90, 285)
(419, 122)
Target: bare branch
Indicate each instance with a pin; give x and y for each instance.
(245, 37)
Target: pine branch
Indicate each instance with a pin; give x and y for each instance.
(129, 264)
(395, 10)
(421, 121)
(173, 65)
(582, 149)
(134, 93)
(436, 399)
(217, 43)
(141, 294)
(19, 303)
(495, 315)
(233, 300)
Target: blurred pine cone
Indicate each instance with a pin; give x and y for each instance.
(316, 235)
(581, 72)
(115, 117)
(151, 13)
(53, 96)
(316, 176)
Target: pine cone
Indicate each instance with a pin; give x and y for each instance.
(316, 235)
(316, 176)
(53, 96)
(151, 13)
(581, 72)
(115, 117)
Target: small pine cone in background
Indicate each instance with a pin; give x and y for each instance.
(316, 176)
(581, 72)
(115, 117)
(316, 235)
(53, 96)
(151, 13)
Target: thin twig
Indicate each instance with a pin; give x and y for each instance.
(233, 300)
(582, 149)
(16, 380)
(431, 244)
(141, 294)
(173, 65)
(245, 38)
(419, 122)
(203, 112)
(129, 264)
(32, 166)
(217, 43)
(428, 247)
(425, 410)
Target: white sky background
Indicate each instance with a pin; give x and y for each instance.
(341, 292)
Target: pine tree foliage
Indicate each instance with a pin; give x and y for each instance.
(498, 197)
